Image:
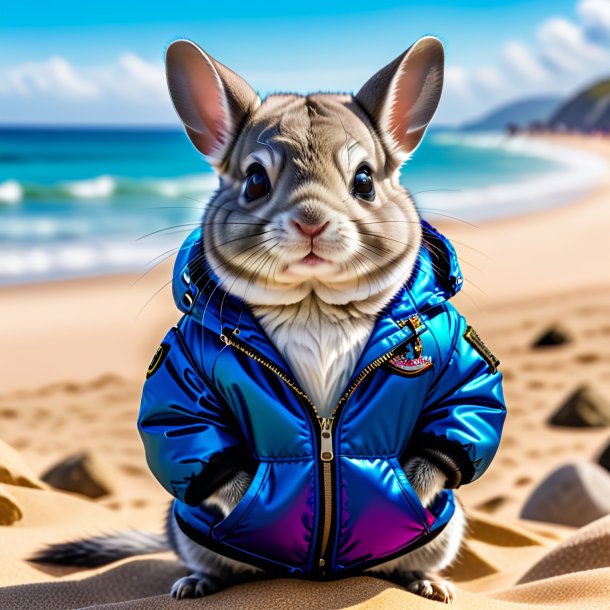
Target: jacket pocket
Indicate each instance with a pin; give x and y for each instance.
(223, 528)
(409, 493)
(380, 513)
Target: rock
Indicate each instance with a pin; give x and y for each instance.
(585, 408)
(574, 494)
(604, 459)
(81, 474)
(554, 335)
(9, 509)
(14, 471)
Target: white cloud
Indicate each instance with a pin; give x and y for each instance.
(456, 81)
(130, 78)
(566, 56)
(565, 47)
(488, 78)
(53, 76)
(595, 16)
(521, 61)
(127, 90)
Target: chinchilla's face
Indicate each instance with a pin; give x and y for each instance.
(309, 198)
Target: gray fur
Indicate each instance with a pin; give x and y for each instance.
(102, 550)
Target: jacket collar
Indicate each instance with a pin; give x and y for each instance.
(436, 277)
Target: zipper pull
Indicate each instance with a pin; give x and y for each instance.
(326, 444)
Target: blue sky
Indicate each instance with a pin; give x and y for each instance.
(101, 63)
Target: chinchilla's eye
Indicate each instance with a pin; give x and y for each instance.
(257, 183)
(363, 184)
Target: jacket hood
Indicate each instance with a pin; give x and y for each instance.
(436, 277)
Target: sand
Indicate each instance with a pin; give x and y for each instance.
(72, 362)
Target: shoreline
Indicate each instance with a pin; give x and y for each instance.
(103, 329)
(540, 251)
(574, 176)
(50, 257)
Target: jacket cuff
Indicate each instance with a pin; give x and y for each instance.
(215, 474)
(444, 463)
(449, 456)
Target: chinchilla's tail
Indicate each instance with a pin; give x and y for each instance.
(102, 550)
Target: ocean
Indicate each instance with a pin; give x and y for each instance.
(78, 202)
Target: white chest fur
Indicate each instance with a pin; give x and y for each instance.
(321, 351)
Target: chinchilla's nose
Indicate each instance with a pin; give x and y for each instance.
(310, 229)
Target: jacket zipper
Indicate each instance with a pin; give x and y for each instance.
(326, 423)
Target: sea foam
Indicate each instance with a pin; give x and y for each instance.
(578, 172)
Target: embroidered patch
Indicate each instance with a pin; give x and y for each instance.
(411, 361)
(157, 359)
(471, 335)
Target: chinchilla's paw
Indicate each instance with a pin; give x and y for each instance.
(431, 587)
(197, 584)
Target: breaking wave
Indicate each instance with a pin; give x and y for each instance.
(107, 188)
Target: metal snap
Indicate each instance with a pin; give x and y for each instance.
(187, 300)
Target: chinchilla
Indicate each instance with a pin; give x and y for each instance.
(311, 184)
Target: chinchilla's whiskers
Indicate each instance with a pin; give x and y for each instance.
(200, 261)
(265, 256)
(210, 205)
(357, 276)
(436, 191)
(186, 224)
(175, 207)
(205, 309)
(428, 245)
(226, 264)
(379, 222)
(250, 261)
(192, 267)
(441, 254)
(190, 225)
(376, 249)
(253, 275)
(277, 262)
(462, 243)
(384, 238)
(195, 265)
(361, 245)
(375, 222)
(230, 241)
(365, 269)
(438, 212)
(234, 222)
(151, 267)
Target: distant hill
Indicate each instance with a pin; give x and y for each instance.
(520, 113)
(588, 110)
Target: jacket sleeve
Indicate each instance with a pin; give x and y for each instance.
(193, 443)
(461, 422)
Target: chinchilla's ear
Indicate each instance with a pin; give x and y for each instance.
(402, 97)
(211, 100)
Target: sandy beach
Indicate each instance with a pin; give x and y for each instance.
(72, 362)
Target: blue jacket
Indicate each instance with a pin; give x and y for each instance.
(329, 496)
